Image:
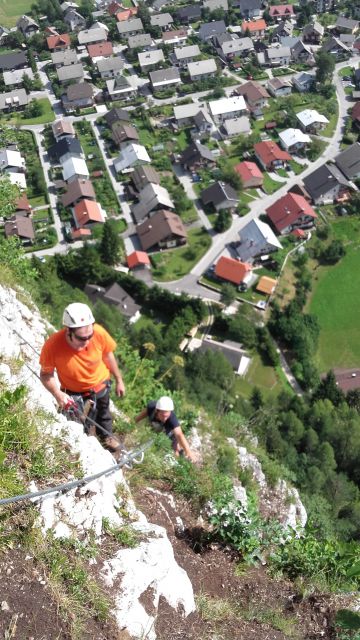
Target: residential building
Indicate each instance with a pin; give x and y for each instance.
(141, 40)
(291, 212)
(164, 77)
(131, 156)
(311, 120)
(283, 30)
(214, 5)
(303, 81)
(116, 115)
(235, 126)
(270, 156)
(221, 196)
(16, 77)
(177, 36)
(130, 27)
(138, 260)
(274, 57)
(152, 197)
(225, 108)
(120, 88)
(150, 58)
(27, 26)
(23, 206)
(326, 184)
(13, 100)
(278, 87)
(302, 54)
(230, 350)
(237, 47)
(58, 42)
(202, 69)
(267, 285)
(256, 239)
(209, 30)
(249, 8)
(233, 271)
(70, 73)
(161, 20)
(255, 29)
(143, 175)
(100, 50)
(114, 7)
(64, 58)
(78, 96)
(188, 14)
(313, 33)
(164, 230)
(281, 12)
(62, 129)
(347, 25)
(196, 155)
(22, 227)
(123, 133)
(294, 140)
(78, 189)
(115, 296)
(86, 213)
(65, 148)
(348, 161)
(255, 95)
(75, 20)
(250, 174)
(183, 55)
(4, 32)
(185, 113)
(336, 48)
(11, 161)
(13, 60)
(92, 36)
(324, 6)
(355, 115)
(126, 14)
(110, 67)
(74, 168)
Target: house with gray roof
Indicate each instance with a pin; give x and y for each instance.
(143, 175)
(201, 69)
(120, 87)
(13, 100)
(282, 30)
(326, 184)
(221, 196)
(209, 30)
(346, 25)
(141, 40)
(302, 54)
(13, 60)
(214, 5)
(110, 67)
(274, 57)
(74, 19)
(164, 77)
(27, 26)
(348, 161)
(78, 95)
(161, 20)
(277, 87)
(130, 27)
(336, 48)
(64, 58)
(237, 46)
(151, 58)
(16, 77)
(256, 239)
(235, 126)
(115, 296)
(313, 33)
(188, 14)
(70, 73)
(249, 8)
(183, 55)
(197, 155)
(152, 197)
(92, 36)
(303, 81)
(116, 115)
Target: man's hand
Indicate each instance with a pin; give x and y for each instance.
(119, 387)
(64, 401)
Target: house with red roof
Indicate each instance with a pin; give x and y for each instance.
(100, 50)
(250, 174)
(87, 213)
(126, 14)
(233, 271)
(58, 42)
(79, 234)
(114, 7)
(256, 28)
(138, 260)
(281, 12)
(270, 156)
(291, 212)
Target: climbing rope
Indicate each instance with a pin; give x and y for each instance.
(129, 458)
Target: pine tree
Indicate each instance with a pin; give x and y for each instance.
(110, 244)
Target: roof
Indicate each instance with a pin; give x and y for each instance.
(132, 154)
(110, 64)
(266, 285)
(73, 167)
(134, 24)
(268, 151)
(161, 20)
(22, 203)
(289, 137)
(70, 72)
(87, 36)
(232, 270)
(21, 226)
(201, 67)
(347, 23)
(64, 57)
(100, 49)
(355, 112)
(310, 116)
(115, 295)
(349, 161)
(11, 158)
(304, 78)
(116, 115)
(252, 91)
(248, 170)
(137, 258)
(80, 233)
(218, 193)
(119, 84)
(18, 97)
(61, 127)
(281, 10)
(232, 354)
(173, 36)
(196, 150)
(64, 146)
(234, 126)
(189, 51)
(314, 26)
(254, 237)
(144, 174)
(278, 83)
(147, 58)
(210, 29)
(186, 110)
(237, 45)
(165, 76)
(122, 132)
(79, 90)
(278, 52)
(151, 197)
(159, 227)
(227, 105)
(253, 26)
(190, 12)
(12, 60)
(322, 180)
(126, 14)
(288, 209)
(60, 40)
(77, 189)
(16, 76)
(298, 233)
(139, 40)
(87, 211)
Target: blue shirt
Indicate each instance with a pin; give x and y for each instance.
(168, 425)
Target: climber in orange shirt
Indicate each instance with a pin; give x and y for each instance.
(82, 356)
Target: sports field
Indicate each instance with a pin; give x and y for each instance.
(11, 10)
(336, 302)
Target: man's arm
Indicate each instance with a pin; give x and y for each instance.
(141, 415)
(50, 383)
(114, 369)
(183, 443)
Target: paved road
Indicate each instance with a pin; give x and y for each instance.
(185, 179)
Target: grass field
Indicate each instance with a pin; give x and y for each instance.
(11, 11)
(336, 303)
(174, 264)
(19, 117)
(262, 376)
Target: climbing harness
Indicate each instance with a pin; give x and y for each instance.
(128, 459)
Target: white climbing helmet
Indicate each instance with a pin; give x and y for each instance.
(77, 314)
(165, 404)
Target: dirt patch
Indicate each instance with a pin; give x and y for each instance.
(229, 606)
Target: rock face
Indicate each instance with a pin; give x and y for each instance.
(151, 565)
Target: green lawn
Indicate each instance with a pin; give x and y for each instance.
(11, 11)
(37, 201)
(19, 118)
(346, 71)
(262, 376)
(336, 303)
(174, 264)
(270, 185)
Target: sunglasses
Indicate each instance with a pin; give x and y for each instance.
(82, 338)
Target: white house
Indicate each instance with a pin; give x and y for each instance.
(74, 168)
(131, 156)
(311, 120)
(256, 239)
(201, 69)
(227, 108)
(11, 161)
(292, 140)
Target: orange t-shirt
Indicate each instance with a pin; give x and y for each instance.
(78, 370)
